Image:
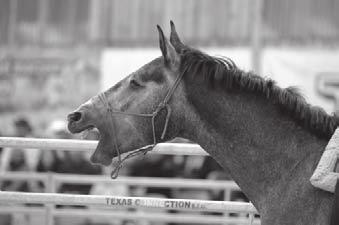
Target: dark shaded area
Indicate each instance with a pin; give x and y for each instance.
(335, 208)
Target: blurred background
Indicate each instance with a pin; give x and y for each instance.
(56, 54)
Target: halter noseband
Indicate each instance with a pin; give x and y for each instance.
(162, 105)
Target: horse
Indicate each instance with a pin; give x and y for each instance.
(268, 138)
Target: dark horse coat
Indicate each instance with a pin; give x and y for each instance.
(335, 209)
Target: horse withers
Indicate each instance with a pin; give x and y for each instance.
(268, 138)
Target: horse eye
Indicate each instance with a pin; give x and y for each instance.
(134, 83)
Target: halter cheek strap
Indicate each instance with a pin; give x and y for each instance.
(162, 106)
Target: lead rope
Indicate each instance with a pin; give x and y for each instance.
(163, 105)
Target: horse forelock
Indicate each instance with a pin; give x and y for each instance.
(222, 73)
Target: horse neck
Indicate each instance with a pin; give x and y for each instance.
(263, 149)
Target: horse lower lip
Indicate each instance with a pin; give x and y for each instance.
(77, 127)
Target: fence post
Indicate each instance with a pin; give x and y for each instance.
(227, 197)
(71, 19)
(50, 188)
(336, 102)
(256, 37)
(43, 15)
(250, 218)
(13, 11)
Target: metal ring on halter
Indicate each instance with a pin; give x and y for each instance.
(163, 105)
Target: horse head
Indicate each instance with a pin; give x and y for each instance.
(142, 109)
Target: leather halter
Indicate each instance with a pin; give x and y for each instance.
(162, 105)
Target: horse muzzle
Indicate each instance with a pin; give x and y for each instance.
(81, 120)
(78, 121)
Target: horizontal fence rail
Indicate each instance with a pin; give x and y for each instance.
(85, 145)
(136, 215)
(21, 209)
(21, 176)
(127, 202)
(136, 181)
(150, 182)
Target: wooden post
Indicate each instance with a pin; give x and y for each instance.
(71, 26)
(94, 19)
(43, 13)
(100, 21)
(108, 36)
(256, 37)
(13, 11)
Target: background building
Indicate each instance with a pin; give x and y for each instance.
(53, 53)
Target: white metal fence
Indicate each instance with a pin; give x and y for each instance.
(49, 200)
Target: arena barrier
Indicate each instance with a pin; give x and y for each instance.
(136, 203)
(127, 202)
(50, 199)
(85, 145)
(136, 215)
(132, 181)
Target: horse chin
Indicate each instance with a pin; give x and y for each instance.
(105, 150)
(104, 161)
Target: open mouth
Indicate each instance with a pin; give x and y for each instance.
(105, 150)
(75, 128)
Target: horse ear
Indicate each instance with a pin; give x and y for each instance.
(171, 57)
(174, 38)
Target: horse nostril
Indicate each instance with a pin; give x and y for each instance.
(75, 116)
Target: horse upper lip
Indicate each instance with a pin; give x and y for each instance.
(77, 126)
(72, 127)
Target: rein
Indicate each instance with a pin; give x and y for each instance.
(162, 105)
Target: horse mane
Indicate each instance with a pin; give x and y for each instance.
(219, 72)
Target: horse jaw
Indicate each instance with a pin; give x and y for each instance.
(105, 150)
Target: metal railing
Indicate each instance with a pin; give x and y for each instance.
(51, 180)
